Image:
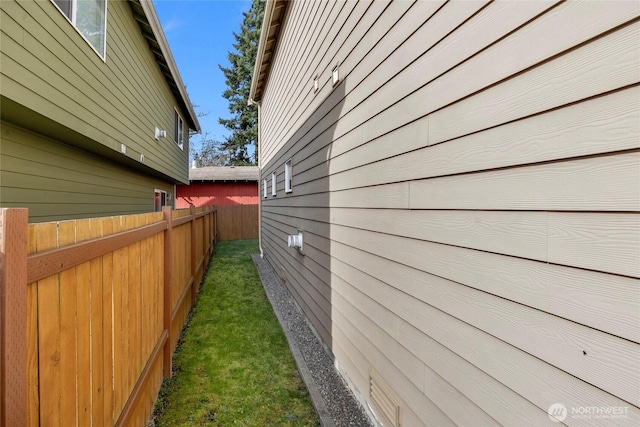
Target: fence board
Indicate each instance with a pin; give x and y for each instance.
(68, 324)
(49, 333)
(97, 330)
(33, 401)
(119, 276)
(107, 325)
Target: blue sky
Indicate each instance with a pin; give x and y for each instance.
(200, 33)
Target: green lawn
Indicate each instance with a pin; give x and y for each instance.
(234, 366)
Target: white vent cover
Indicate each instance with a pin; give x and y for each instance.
(295, 241)
(384, 401)
(159, 133)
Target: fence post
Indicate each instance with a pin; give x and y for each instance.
(166, 356)
(13, 316)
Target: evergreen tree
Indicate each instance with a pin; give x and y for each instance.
(244, 121)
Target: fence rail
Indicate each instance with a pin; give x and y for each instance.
(92, 311)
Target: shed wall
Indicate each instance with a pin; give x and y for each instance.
(469, 195)
(216, 194)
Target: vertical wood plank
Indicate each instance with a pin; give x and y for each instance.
(68, 331)
(146, 275)
(167, 291)
(13, 329)
(119, 278)
(83, 330)
(97, 331)
(132, 331)
(158, 244)
(49, 333)
(33, 401)
(107, 321)
(194, 257)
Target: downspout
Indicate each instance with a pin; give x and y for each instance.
(260, 196)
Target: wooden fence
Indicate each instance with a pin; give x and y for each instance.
(92, 311)
(236, 222)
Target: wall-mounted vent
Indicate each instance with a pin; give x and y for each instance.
(385, 404)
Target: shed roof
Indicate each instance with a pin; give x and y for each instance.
(145, 14)
(224, 173)
(274, 13)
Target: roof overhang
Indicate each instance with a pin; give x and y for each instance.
(274, 14)
(145, 14)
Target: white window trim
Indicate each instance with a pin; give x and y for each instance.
(264, 188)
(288, 176)
(177, 127)
(73, 19)
(273, 184)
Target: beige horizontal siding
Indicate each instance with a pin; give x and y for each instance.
(469, 195)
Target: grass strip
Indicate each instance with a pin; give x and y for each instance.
(234, 366)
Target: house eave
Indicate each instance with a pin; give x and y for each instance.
(274, 14)
(145, 14)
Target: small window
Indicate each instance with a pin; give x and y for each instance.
(288, 172)
(178, 133)
(89, 17)
(264, 188)
(273, 183)
(160, 200)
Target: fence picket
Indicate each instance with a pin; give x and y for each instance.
(33, 401)
(96, 330)
(49, 333)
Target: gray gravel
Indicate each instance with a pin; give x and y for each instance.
(334, 402)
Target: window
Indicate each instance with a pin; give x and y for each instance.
(178, 133)
(264, 188)
(89, 17)
(273, 183)
(288, 171)
(159, 200)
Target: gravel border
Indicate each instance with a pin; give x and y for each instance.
(333, 400)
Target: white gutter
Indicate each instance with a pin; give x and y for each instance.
(154, 22)
(264, 33)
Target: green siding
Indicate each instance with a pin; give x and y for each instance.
(57, 181)
(48, 68)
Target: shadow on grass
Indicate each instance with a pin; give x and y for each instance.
(233, 365)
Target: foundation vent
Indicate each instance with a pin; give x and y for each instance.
(385, 404)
